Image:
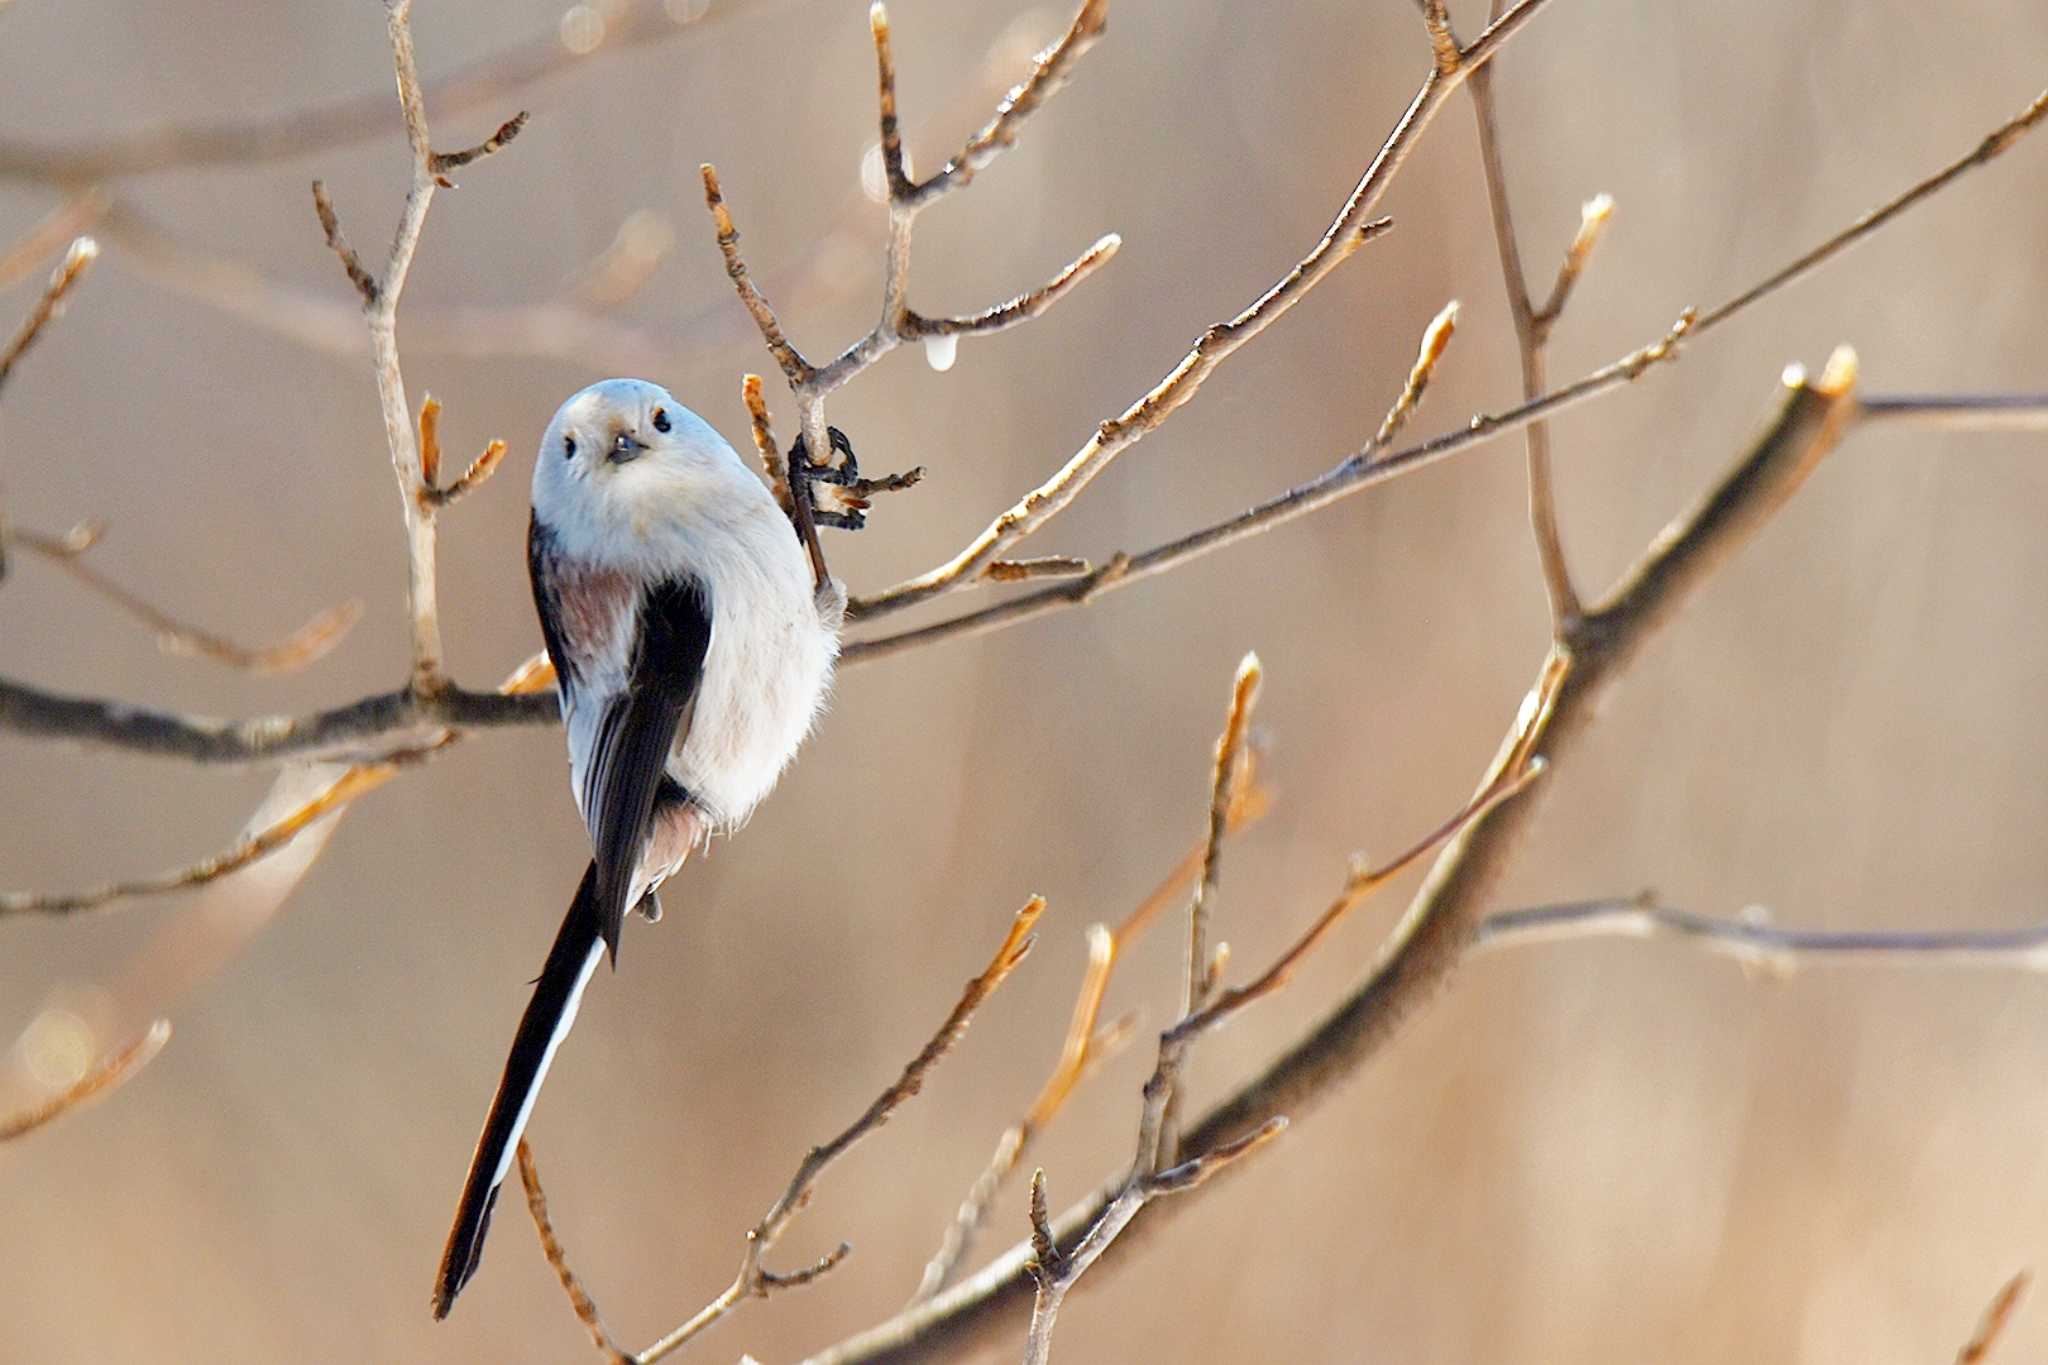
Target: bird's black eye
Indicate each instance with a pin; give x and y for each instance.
(661, 422)
(569, 447)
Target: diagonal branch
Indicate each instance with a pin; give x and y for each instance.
(1437, 928)
(310, 642)
(1351, 228)
(1760, 946)
(1532, 331)
(754, 1280)
(105, 1075)
(809, 383)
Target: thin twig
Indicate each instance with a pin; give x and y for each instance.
(490, 80)
(443, 162)
(580, 1301)
(50, 304)
(810, 384)
(1225, 766)
(1760, 946)
(77, 214)
(1347, 232)
(1153, 1170)
(106, 1074)
(753, 1279)
(1435, 931)
(1086, 1044)
(1991, 1325)
(1435, 339)
(382, 718)
(1532, 330)
(353, 782)
(279, 832)
(303, 646)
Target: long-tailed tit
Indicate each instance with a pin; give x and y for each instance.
(692, 653)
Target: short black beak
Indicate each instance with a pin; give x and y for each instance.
(624, 448)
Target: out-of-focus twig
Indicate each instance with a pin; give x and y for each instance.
(77, 214)
(1435, 932)
(109, 1072)
(1758, 945)
(303, 646)
(1991, 1325)
(49, 305)
(541, 57)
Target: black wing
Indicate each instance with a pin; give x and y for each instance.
(640, 727)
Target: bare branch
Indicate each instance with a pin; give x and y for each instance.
(1438, 926)
(351, 263)
(1532, 330)
(108, 1073)
(303, 646)
(443, 162)
(794, 367)
(1225, 776)
(1086, 1045)
(1041, 566)
(1962, 411)
(580, 1301)
(534, 60)
(1025, 306)
(1754, 942)
(753, 1279)
(1995, 144)
(77, 214)
(352, 783)
(1435, 339)
(1991, 1326)
(50, 305)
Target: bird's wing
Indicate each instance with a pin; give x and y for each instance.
(638, 713)
(638, 728)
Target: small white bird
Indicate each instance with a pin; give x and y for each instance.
(692, 654)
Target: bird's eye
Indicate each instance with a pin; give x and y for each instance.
(661, 422)
(569, 447)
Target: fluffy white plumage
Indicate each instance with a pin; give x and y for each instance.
(686, 505)
(693, 655)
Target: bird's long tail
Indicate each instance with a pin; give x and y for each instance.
(578, 946)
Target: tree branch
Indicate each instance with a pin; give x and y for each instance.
(1347, 232)
(753, 1279)
(1432, 936)
(1758, 945)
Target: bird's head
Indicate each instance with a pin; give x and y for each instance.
(622, 455)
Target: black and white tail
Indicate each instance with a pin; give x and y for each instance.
(578, 946)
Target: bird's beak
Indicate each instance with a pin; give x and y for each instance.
(625, 447)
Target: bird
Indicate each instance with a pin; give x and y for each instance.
(693, 648)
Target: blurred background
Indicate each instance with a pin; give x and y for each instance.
(1593, 1151)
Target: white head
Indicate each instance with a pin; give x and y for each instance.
(622, 462)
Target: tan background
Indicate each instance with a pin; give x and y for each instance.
(1586, 1153)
